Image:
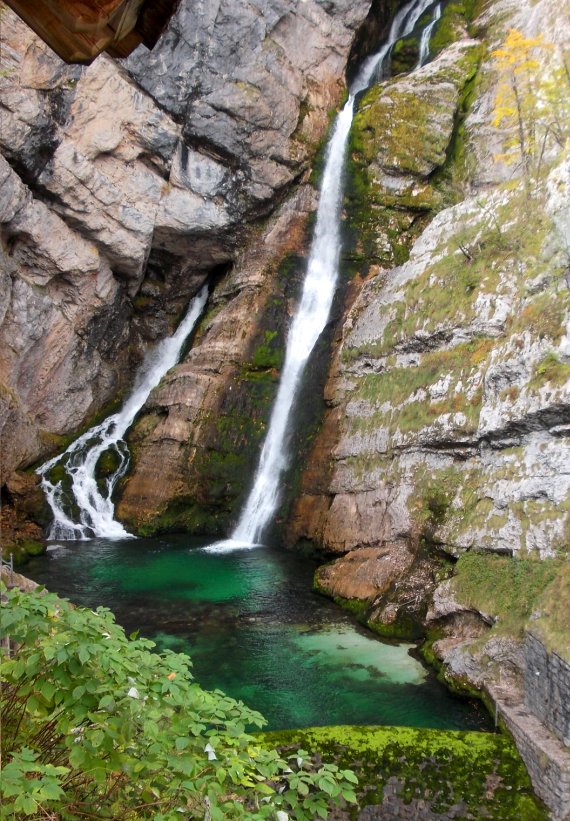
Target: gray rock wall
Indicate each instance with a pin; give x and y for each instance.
(547, 687)
(123, 185)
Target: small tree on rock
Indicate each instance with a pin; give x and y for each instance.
(532, 102)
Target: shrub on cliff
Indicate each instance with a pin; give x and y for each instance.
(96, 725)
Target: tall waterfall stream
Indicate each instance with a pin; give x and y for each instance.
(426, 36)
(314, 308)
(293, 655)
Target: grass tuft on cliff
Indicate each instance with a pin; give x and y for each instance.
(520, 593)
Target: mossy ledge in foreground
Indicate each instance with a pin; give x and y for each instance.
(438, 773)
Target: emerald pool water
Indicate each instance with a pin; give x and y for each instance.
(255, 629)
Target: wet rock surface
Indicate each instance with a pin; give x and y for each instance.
(364, 573)
(204, 423)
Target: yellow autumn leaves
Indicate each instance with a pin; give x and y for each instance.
(532, 102)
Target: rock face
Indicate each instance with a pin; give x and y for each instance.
(125, 185)
(448, 399)
(365, 573)
(204, 423)
(450, 389)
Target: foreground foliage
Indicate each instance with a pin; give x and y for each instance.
(96, 725)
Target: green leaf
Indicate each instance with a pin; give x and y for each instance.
(349, 795)
(107, 703)
(26, 804)
(47, 689)
(50, 791)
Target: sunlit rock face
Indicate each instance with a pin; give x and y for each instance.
(125, 184)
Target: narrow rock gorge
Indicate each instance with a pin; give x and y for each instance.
(432, 440)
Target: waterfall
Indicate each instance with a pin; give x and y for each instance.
(426, 37)
(90, 510)
(316, 300)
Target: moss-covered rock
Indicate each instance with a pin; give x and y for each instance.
(456, 21)
(22, 512)
(402, 141)
(428, 774)
(22, 550)
(404, 126)
(405, 54)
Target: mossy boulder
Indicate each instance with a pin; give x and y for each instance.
(456, 21)
(405, 144)
(21, 514)
(405, 55)
(22, 550)
(405, 126)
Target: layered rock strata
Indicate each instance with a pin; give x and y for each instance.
(450, 387)
(124, 185)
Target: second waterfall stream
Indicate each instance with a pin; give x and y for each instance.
(81, 507)
(316, 300)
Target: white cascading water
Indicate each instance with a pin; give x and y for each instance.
(95, 508)
(316, 300)
(426, 37)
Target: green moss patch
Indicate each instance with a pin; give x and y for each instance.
(552, 616)
(510, 589)
(22, 550)
(550, 369)
(456, 20)
(400, 396)
(394, 130)
(406, 52)
(463, 775)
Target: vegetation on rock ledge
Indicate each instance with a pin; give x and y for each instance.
(514, 591)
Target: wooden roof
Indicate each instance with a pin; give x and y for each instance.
(79, 30)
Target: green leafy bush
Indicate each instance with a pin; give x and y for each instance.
(96, 725)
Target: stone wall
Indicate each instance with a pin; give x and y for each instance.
(547, 687)
(546, 758)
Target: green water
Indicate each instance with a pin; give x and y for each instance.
(255, 629)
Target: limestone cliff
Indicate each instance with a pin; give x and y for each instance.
(448, 422)
(450, 386)
(125, 185)
(445, 447)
